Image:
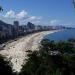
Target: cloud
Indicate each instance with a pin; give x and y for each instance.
(54, 22)
(34, 19)
(22, 16)
(61, 22)
(10, 14)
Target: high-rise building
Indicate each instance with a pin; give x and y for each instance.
(16, 24)
(16, 28)
(30, 25)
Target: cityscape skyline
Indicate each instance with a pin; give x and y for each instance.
(47, 12)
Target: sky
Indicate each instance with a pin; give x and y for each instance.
(43, 12)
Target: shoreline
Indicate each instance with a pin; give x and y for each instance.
(16, 50)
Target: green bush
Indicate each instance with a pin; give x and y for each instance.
(53, 58)
(5, 67)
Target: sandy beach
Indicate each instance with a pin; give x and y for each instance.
(16, 50)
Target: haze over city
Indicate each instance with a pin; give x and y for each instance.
(43, 12)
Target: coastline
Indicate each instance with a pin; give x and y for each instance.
(16, 50)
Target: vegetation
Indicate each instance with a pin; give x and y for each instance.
(5, 67)
(1, 9)
(74, 3)
(53, 58)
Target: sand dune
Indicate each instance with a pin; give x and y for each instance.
(16, 49)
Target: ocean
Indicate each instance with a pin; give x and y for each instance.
(62, 35)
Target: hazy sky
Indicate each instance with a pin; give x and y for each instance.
(48, 12)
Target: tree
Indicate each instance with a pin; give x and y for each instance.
(5, 67)
(1, 9)
(43, 62)
(74, 3)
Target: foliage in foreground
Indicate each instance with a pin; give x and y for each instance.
(1, 9)
(5, 67)
(51, 59)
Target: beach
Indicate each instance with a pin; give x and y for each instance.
(16, 50)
